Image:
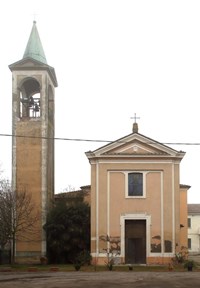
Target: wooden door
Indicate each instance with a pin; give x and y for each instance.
(135, 241)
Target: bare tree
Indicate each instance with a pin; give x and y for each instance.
(18, 217)
(112, 250)
(69, 188)
(4, 217)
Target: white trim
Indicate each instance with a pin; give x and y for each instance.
(144, 173)
(162, 255)
(142, 216)
(44, 149)
(97, 208)
(162, 212)
(133, 145)
(130, 138)
(157, 161)
(173, 213)
(108, 208)
(100, 255)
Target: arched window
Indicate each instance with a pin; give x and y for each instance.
(30, 105)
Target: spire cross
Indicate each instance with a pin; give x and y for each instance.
(135, 117)
(34, 17)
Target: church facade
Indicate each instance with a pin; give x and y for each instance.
(33, 92)
(138, 207)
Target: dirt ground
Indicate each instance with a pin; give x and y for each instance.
(99, 279)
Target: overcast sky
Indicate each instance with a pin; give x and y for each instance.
(112, 59)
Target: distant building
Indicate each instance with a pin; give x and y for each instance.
(138, 207)
(194, 228)
(82, 195)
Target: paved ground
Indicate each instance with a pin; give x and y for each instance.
(99, 279)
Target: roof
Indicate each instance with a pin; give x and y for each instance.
(193, 208)
(185, 186)
(135, 145)
(70, 194)
(32, 64)
(34, 47)
(34, 57)
(83, 192)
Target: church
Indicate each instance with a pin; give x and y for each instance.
(138, 206)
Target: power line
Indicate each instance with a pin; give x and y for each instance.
(54, 138)
(95, 140)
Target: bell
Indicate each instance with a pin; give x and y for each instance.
(31, 102)
(36, 108)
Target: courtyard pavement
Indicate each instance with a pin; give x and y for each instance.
(106, 279)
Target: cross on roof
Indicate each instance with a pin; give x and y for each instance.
(34, 17)
(135, 117)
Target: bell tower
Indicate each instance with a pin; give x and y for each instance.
(33, 92)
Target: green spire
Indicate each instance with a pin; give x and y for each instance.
(34, 47)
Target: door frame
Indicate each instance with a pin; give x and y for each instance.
(135, 217)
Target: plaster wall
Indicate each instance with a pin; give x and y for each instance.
(109, 185)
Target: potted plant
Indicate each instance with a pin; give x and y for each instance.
(43, 260)
(189, 265)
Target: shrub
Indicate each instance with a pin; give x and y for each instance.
(81, 259)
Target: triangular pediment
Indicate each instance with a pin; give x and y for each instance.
(135, 145)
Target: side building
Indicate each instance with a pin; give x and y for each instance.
(82, 195)
(194, 228)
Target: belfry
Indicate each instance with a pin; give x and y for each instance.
(33, 93)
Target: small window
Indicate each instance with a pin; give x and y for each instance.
(189, 243)
(189, 222)
(135, 184)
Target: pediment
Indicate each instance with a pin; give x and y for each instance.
(135, 145)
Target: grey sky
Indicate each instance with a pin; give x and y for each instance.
(112, 59)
